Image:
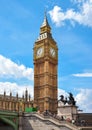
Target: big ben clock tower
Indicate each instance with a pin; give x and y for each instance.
(45, 70)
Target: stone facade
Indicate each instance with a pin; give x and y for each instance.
(68, 112)
(15, 103)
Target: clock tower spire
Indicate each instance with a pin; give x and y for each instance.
(45, 27)
(45, 69)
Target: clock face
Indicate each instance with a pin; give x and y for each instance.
(39, 51)
(52, 52)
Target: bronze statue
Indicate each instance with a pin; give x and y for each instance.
(71, 100)
(63, 100)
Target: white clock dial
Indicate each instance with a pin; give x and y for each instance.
(39, 51)
(52, 52)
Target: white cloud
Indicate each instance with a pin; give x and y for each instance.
(62, 92)
(83, 16)
(84, 99)
(15, 88)
(10, 69)
(83, 75)
(57, 15)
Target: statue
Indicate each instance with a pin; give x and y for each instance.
(71, 100)
(63, 100)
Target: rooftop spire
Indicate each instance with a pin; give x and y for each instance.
(45, 21)
(45, 29)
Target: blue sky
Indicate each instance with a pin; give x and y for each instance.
(71, 23)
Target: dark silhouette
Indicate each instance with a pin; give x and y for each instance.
(71, 100)
(63, 100)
